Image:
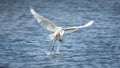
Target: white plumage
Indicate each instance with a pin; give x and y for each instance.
(58, 32)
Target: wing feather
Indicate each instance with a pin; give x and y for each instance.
(43, 21)
(72, 29)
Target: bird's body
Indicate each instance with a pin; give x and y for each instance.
(57, 35)
(58, 32)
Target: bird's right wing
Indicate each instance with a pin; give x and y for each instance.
(72, 29)
(43, 21)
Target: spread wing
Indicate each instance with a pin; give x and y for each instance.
(72, 29)
(43, 21)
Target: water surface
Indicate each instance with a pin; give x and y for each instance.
(23, 42)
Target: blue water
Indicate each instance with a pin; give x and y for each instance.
(23, 42)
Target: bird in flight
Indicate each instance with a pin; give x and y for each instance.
(58, 32)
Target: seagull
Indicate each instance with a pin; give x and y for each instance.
(57, 32)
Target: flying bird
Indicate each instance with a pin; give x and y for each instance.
(58, 32)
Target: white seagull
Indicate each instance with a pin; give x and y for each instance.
(58, 32)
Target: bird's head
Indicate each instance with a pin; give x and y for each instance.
(61, 34)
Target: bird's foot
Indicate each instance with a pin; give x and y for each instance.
(49, 52)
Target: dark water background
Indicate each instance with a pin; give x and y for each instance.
(23, 41)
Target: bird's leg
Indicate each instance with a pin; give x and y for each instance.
(53, 45)
(51, 48)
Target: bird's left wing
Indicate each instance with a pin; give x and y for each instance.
(72, 29)
(43, 21)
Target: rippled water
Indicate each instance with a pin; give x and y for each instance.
(23, 42)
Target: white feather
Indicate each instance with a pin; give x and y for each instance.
(72, 29)
(43, 21)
